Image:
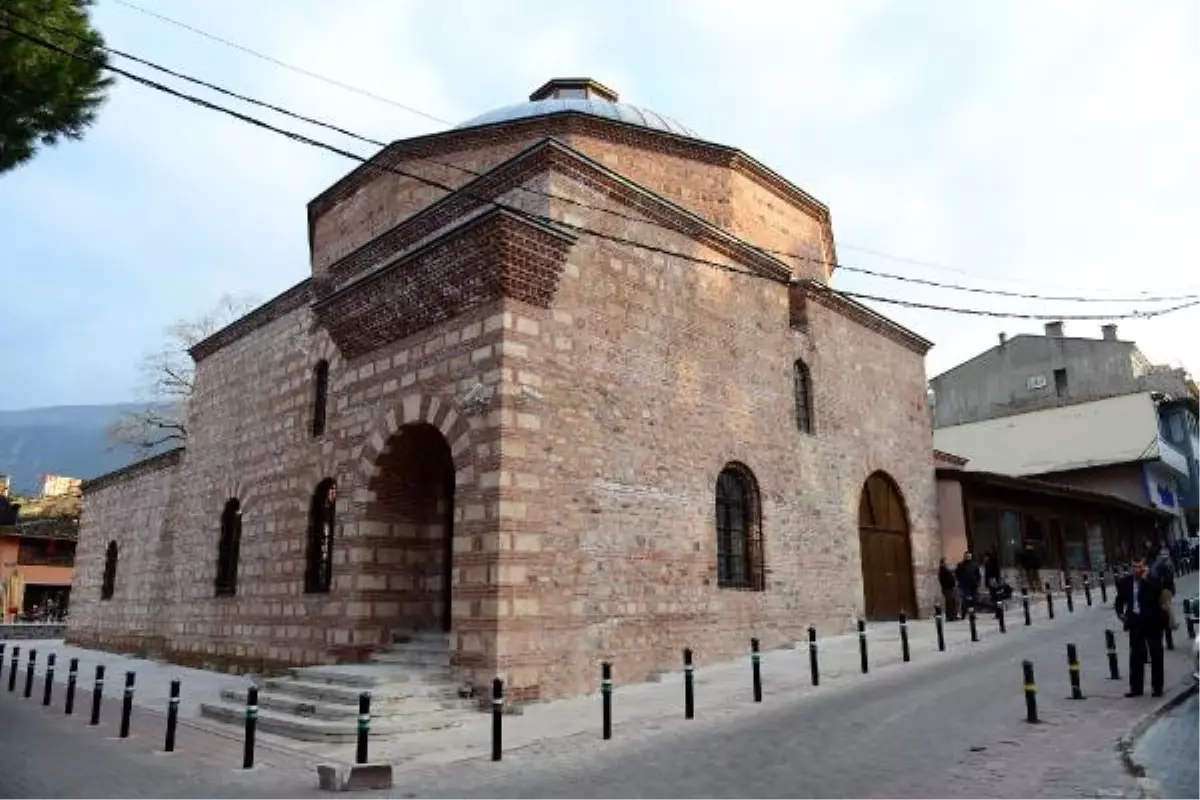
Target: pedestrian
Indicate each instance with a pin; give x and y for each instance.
(1138, 605)
(991, 570)
(1030, 563)
(1165, 575)
(946, 580)
(966, 574)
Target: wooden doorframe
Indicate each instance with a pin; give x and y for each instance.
(908, 600)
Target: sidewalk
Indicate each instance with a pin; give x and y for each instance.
(722, 689)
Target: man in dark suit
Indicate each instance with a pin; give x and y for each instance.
(1139, 607)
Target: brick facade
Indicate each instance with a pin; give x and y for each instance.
(561, 400)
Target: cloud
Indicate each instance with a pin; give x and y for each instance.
(1027, 145)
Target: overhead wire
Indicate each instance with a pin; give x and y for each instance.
(530, 190)
(828, 264)
(301, 138)
(280, 63)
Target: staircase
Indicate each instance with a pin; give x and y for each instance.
(411, 685)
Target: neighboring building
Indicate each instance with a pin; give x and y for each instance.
(37, 555)
(1115, 446)
(552, 445)
(59, 486)
(1072, 530)
(1034, 373)
(1178, 425)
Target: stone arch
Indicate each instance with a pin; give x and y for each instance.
(885, 548)
(414, 408)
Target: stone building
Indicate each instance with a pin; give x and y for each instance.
(595, 401)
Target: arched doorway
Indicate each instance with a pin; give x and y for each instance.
(414, 494)
(886, 550)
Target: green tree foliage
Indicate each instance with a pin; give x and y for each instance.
(47, 96)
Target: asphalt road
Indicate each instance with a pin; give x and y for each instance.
(935, 729)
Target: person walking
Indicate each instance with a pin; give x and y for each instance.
(946, 581)
(1030, 563)
(1138, 605)
(966, 574)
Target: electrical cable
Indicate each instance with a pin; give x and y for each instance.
(559, 223)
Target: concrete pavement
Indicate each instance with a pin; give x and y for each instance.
(905, 729)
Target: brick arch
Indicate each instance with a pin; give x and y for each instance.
(326, 350)
(326, 466)
(416, 407)
(236, 487)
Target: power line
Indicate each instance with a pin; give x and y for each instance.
(277, 62)
(641, 220)
(544, 219)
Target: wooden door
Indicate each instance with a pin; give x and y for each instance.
(883, 534)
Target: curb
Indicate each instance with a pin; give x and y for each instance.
(1127, 743)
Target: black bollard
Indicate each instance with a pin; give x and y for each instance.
(1073, 668)
(1070, 597)
(1031, 714)
(939, 625)
(1025, 605)
(97, 693)
(1189, 617)
(364, 726)
(1103, 589)
(50, 659)
(756, 670)
(251, 727)
(497, 718)
(29, 673)
(1049, 601)
(814, 669)
(2, 659)
(72, 678)
(606, 689)
(904, 654)
(127, 705)
(971, 623)
(12, 668)
(862, 645)
(1087, 591)
(689, 694)
(172, 717)
(1110, 645)
(1000, 618)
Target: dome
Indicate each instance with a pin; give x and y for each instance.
(583, 96)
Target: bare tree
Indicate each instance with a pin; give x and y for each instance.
(169, 375)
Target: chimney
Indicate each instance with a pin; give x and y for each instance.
(1109, 332)
(1054, 330)
(1003, 338)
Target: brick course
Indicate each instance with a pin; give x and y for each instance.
(588, 392)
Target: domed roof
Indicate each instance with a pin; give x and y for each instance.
(584, 96)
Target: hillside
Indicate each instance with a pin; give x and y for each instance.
(64, 440)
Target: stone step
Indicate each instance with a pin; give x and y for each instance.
(315, 709)
(308, 729)
(372, 675)
(438, 638)
(314, 691)
(413, 655)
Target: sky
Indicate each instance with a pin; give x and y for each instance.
(1035, 147)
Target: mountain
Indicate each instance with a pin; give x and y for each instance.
(62, 440)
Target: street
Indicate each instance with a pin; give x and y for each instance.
(952, 728)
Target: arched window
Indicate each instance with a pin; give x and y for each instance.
(739, 531)
(320, 397)
(802, 381)
(108, 584)
(318, 574)
(229, 547)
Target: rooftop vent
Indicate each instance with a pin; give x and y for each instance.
(1109, 332)
(577, 88)
(1054, 329)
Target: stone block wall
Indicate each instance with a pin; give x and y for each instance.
(129, 507)
(653, 374)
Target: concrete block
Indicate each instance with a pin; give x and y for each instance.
(354, 778)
